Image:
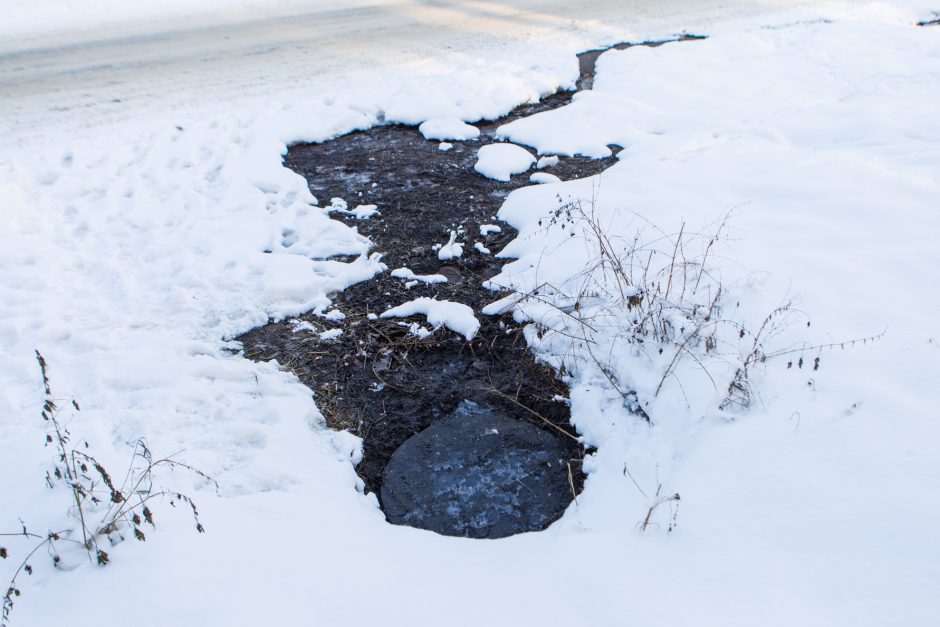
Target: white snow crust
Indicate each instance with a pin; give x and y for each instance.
(451, 250)
(331, 334)
(450, 129)
(457, 317)
(361, 212)
(501, 161)
(547, 162)
(542, 178)
(406, 273)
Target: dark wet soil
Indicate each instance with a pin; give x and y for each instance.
(378, 380)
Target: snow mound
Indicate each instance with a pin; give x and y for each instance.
(542, 178)
(500, 161)
(448, 129)
(455, 316)
(547, 162)
(450, 250)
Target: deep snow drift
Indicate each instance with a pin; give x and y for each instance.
(130, 259)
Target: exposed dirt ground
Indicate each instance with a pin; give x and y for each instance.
(377, 380)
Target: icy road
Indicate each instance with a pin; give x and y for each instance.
(74, 69)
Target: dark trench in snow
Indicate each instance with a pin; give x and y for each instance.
(465, 438)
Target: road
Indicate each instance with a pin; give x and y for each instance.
(76, 82)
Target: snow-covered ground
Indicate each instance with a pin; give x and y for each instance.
(134, 244)
(79, 68)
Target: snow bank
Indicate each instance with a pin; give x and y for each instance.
(452, 129)
(455, 316)
(501, 161)
(786, 128)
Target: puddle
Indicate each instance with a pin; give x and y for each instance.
(463, 438)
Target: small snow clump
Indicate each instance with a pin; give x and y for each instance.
(448, 129)
(501, 161)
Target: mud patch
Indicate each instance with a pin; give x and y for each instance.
(385, 384)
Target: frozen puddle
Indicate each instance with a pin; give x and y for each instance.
(464, 433)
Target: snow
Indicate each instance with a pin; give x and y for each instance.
(361, 212)
(452, 129)
(503, 305)
(481, 248)
(417, 330)
(364, 212)
(830, 194)
(501, 161)
(334, 314)
(547, 162)
(451, 250)
(303, 325)
(406, 273)
(457, 317)
(50, 16)
(445, 146)
(541, 178)
(486, 229)
(131, 252)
